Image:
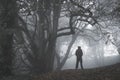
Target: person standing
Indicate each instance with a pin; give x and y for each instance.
(79, 54)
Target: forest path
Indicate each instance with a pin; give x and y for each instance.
(111, 72)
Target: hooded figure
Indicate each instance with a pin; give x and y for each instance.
(79, 55)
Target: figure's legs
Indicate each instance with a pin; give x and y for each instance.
(81, 63)
(77, 62)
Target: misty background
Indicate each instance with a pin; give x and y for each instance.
(41, 36)
(96, 53)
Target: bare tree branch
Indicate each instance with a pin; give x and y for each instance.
(64, 34)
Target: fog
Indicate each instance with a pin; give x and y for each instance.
(96, 53)
(100, 46)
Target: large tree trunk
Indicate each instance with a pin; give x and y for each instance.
(8, 22)
(51, 48)
(47, 32)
